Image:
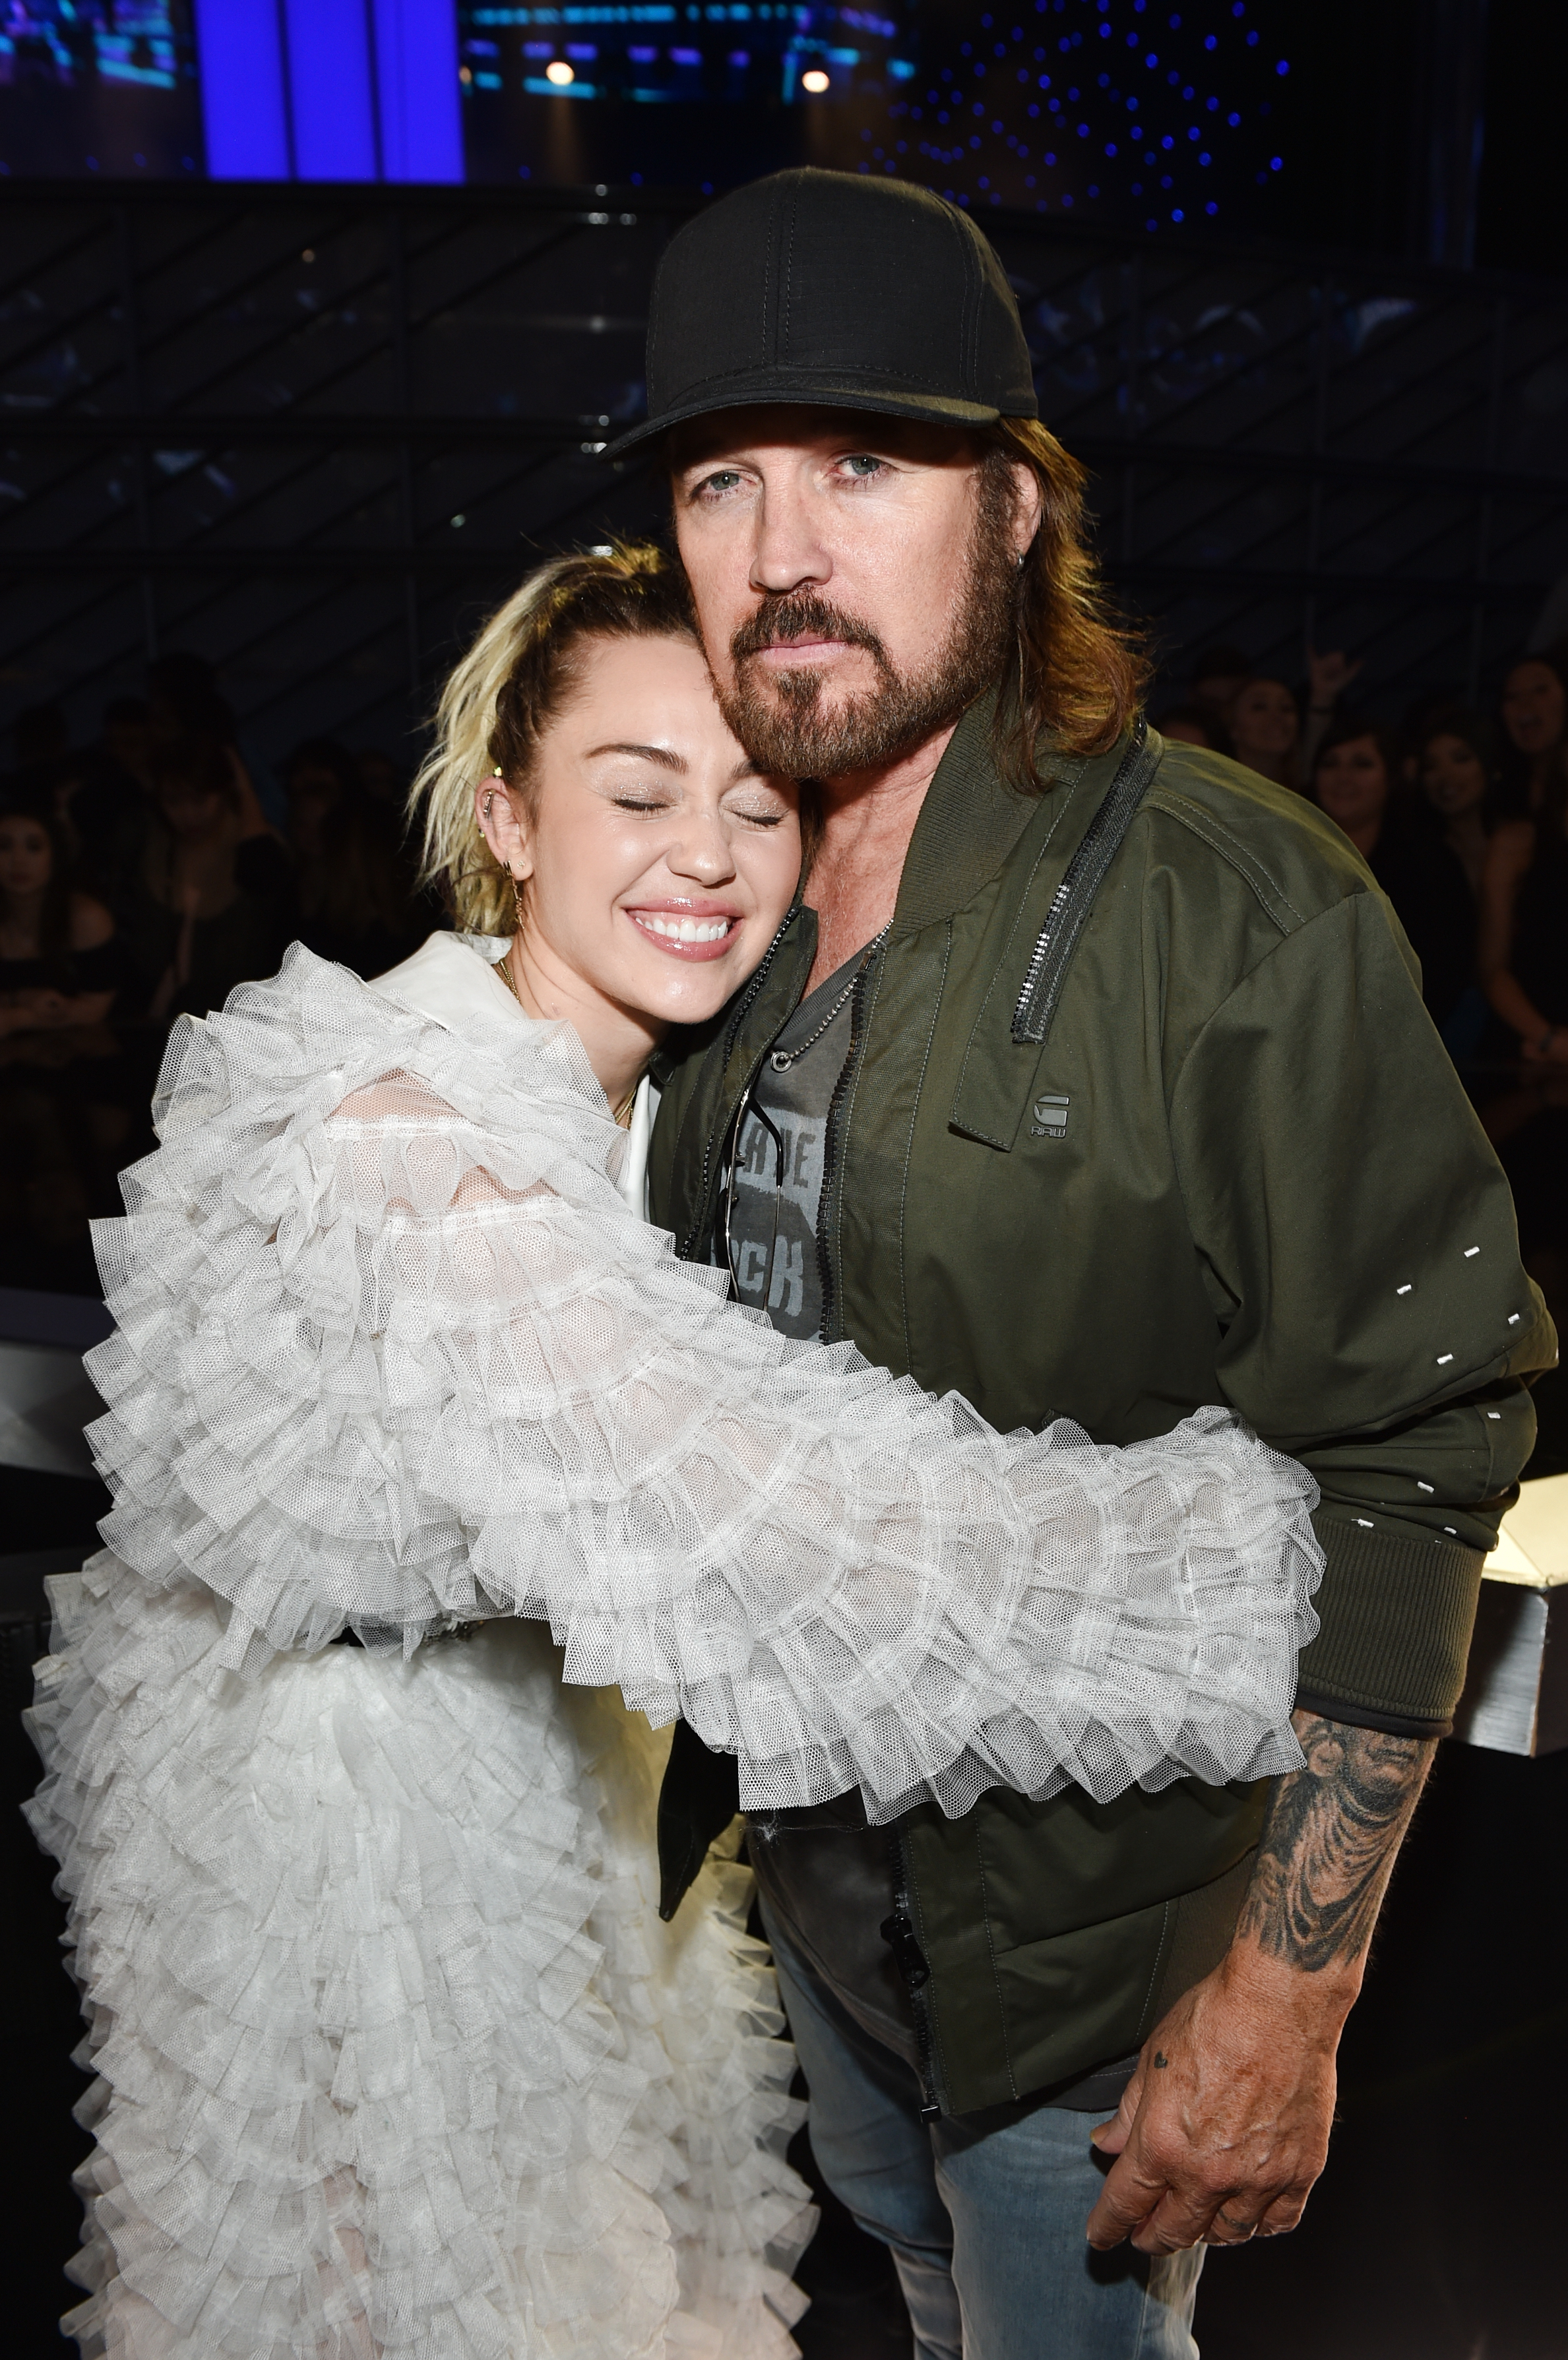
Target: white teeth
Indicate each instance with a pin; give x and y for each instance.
(685, 930)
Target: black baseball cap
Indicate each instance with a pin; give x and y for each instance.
(833, 288)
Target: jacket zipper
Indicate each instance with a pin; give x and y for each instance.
(898, 1933)
(830, 1142)
(743, 1008)
(1074, 897)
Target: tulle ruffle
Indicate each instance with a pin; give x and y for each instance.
(393, 2054)
(392, 1352)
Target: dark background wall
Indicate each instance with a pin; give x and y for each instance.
(309, 432)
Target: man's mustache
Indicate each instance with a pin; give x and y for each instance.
(786, 615)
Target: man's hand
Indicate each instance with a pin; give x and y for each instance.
(1224, 2126)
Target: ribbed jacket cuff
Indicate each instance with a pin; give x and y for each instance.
(1397, 1616)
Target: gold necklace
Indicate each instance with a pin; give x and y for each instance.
(621, 1115)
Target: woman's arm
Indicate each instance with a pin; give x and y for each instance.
(401, 1356)
(1328, 677)
(1508, 856)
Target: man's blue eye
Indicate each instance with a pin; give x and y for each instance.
(862, 462)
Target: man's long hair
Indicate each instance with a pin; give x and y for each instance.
(1076, 674)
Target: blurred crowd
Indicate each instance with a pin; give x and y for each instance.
(146, 874)
(1461, 817)
(142, 877)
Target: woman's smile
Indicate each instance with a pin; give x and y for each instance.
(686, 929)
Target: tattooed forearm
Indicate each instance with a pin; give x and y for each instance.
(1328, 1842)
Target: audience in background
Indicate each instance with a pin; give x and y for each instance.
(1534, 708)
(184, 701)
(1265, 730)
(1357, 782)
(1328, 677)
(146, 874)
(1217, 675)
(64, 1105)
(1232, 708)
(211, 900)
(142, 875)
(1524, 923)
(382, 781)
(1456, 769)
(358, 899)
(126, 739)
(1196, 725)
(58, 957)
(1524, 967)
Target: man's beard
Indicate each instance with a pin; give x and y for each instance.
(781, 720)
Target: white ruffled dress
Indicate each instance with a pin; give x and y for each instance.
(393, 2054)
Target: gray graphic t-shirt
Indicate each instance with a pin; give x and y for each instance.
(778, 1179)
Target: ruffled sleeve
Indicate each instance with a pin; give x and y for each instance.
(392, 1352)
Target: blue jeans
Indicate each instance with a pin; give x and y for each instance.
(983, 2213)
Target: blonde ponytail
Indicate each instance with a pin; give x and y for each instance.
(501, 695)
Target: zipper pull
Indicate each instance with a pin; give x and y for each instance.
(898, 1933)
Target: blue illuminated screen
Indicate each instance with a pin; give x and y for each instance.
(1151, 116)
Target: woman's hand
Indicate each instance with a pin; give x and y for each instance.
(1549, 1048)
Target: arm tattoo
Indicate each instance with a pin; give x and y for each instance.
(1328, 1839)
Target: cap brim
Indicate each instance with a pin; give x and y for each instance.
(799, 390)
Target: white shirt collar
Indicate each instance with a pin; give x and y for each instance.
(451, 978)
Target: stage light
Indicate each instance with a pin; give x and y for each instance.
(815, 81)
(560, 73)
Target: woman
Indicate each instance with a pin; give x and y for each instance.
(395, 2054)
(1524, 924)
(1534, 708)
(62, 1112)
(58, 958)
(210, 900)
(1456, 769)
(1266, 730)
(1354, 780)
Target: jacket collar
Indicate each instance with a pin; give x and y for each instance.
(968, 826)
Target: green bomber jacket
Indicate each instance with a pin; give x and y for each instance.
(1240, 1170)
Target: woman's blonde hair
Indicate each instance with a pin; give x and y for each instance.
(505, 692)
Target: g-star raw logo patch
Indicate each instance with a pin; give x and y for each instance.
(1051, 1117)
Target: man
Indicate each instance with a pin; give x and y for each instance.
(1093, 1081)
